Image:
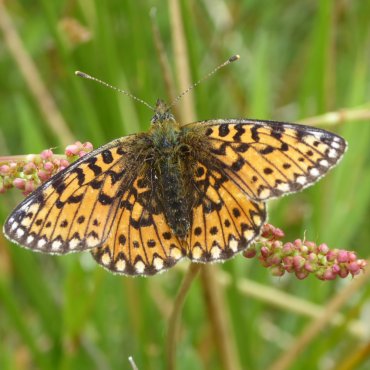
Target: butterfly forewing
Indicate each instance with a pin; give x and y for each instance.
(75, 209)
(268, 159)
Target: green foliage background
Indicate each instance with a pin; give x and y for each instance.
(298, 59)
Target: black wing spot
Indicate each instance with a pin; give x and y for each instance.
(75, 199)
(59, 185)
(213, 230)
(238, 164)
(93, 167)
(151, 243)
(242, 148)
(276, 135)
(198, 231)
(223, 130)
(255, 135)
(269, 149)
(122, 239)
(96, 184)
(81, 219)
(284, 147)
(268, 170)
(236, 212)
(80, 175)
(64, 223)
(105, 199)
(167, 235)
(107, 156)
(240, 130)
(209, 131)
(120, 151)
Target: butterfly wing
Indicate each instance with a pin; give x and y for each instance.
(224, 220)
(100, 202)
(267, 159)
(74, 210)
(140, 241)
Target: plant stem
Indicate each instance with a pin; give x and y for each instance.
(174, 321)
(218, 316)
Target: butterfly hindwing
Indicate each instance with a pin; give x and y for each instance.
(75, 209)
(268, 159)
(224, 221)
(140, 241)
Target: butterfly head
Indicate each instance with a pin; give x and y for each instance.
(162, 114)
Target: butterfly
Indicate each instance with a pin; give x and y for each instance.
(143, 202)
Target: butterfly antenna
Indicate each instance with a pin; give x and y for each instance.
(88, 77)
(230, 60)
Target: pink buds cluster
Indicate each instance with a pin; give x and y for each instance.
(303, 257)
(26, 173)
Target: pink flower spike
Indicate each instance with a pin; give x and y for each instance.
(275, 260)
(308, 267)
(29, 187)
(354, 268)
(4, 170)
(63, 163)
(19, 183)
(336, 268)
(297, 243)
(298, 262)
(343, 273)
(46, 154)
(250, 252)
(312, 257)
(275, 245)
(278, 233)
(278, 271)
(88, 146)
(352, 256)
(288, 248)
(342, 256)
(329, 275)
(265, 252)
(323, 249)
(29, 168)
(331, 255)
(43, 175)
(301, 274)
(71, 150)
(310, 245)
(49, 166)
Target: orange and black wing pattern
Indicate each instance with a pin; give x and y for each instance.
(224, 220)
(268, 159)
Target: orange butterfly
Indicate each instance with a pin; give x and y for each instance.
(142, 202)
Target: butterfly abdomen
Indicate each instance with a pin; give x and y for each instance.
(171, 163)
(172, 195)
